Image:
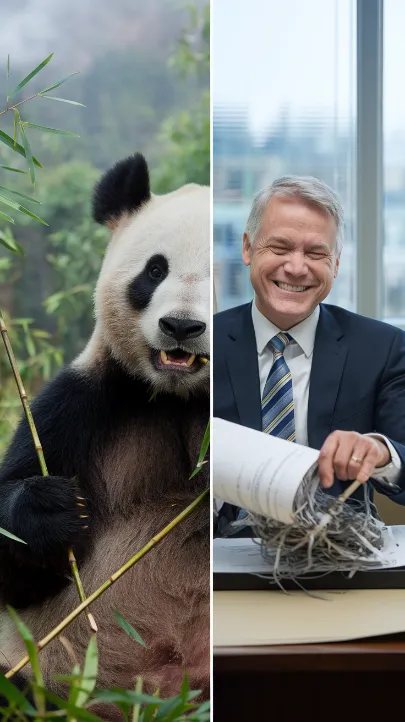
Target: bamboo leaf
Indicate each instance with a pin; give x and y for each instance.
(15, 170)
(29, 77)
(39, 333)
(62, 100)
(5, 217)
(32, 215)
(204, 707)
(21, 195)
(22, 321)
(149, 713)
(203, 450)
(185, 688)
(8, 140)
(28, 153)
(3, 531)
(9, 202)
(52, 130)
(62, 704)
(116, 695)
(57, 84)
(15, 697)
(127, 627)
(90, 669)
(172, 708)
(29, 344)
(18, 207)
(6, 244)
(74, 679)
(33, 655)
(14, 247)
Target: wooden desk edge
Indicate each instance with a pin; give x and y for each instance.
(356, 656)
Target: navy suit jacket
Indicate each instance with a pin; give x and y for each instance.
(357, 381)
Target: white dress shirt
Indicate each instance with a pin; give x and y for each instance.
(298, 357)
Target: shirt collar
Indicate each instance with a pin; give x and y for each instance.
(303, 333)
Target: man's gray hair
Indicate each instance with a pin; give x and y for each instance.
(306, 188)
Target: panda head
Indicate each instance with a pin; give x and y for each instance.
(152, 299)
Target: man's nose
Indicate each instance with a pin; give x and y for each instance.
(296, 264)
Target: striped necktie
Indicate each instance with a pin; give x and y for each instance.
(277, 400)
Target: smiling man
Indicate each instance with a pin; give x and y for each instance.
(305, 371)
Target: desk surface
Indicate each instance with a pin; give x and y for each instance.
(299, 624)
(376, 653)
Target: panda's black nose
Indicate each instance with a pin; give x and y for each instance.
(180, 328)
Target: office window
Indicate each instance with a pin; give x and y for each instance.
(277, 111)
(394, 163)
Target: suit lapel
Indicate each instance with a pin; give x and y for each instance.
(242, 363)
(330, 351)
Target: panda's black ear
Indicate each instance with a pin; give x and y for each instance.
(122, 189)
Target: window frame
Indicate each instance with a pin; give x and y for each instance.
(369, 165)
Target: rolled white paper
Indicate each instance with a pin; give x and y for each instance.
(258, 472)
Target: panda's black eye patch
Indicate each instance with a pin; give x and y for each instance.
(141, 288)
(155, 272)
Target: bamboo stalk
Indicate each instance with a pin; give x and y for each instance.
(137, 707)
(337, 505)
(109, 582)
(40, 454)
(348, 492)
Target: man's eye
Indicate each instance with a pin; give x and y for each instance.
(278, 251)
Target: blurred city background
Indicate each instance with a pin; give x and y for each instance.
(284, 93)
(144, 82)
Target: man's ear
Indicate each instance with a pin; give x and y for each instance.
(246, 250)
(336, 269)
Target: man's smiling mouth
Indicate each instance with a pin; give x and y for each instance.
(290, 287)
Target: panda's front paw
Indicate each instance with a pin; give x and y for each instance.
(50, 515)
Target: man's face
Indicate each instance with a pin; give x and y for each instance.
(292, 260)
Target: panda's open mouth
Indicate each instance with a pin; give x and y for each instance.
(179, 360)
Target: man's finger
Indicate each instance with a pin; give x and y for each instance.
(367, 466)
(325, 461)
(342, 458)
(357, 458)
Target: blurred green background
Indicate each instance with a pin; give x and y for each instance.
(144, 81)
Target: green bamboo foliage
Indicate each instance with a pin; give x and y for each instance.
(20, 144)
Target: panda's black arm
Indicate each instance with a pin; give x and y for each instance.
(44, 511)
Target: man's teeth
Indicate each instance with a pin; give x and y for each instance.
(288, 287)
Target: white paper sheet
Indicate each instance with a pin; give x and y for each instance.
(243, 555)
(266, 479)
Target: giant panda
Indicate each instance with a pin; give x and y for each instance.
(121, 430)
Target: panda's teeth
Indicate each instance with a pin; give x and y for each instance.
(171, 362)
(203, 360)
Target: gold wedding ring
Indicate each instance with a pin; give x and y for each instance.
(357, 460)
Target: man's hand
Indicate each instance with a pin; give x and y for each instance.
(349, 456)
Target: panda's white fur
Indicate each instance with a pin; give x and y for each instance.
(128, 455)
